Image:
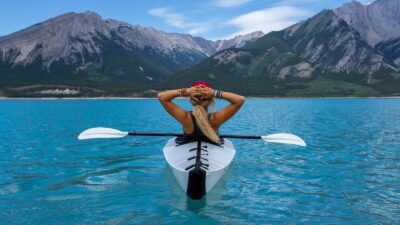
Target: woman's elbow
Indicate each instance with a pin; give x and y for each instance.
(160, 96)
(241, 100)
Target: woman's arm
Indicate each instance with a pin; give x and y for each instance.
(226, 113)
(173, 109)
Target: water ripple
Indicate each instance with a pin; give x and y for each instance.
(348, 174)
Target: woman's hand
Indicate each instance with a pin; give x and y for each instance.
(200, 93)
(207, 92)
(190, 91)
(194, 93)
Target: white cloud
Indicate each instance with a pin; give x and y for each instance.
(172, 19)
(366, 2)
(179, 21)
(230, 3)
(196, 29)
(267, 20)
(297, 2)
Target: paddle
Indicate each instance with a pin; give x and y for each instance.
(103, 132)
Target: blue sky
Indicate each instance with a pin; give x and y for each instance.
(212, 19)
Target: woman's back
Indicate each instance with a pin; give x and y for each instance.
(201, 96)
(194, 135)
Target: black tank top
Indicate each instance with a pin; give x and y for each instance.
(196, 135)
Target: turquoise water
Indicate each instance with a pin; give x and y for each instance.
(348, 174)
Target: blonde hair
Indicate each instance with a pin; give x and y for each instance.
(201, 116)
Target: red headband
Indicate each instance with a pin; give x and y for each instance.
(201, 83)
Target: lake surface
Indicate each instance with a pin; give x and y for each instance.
(348, 174)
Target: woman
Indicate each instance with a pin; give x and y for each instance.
(199, 124)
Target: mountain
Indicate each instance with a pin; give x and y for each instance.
(376, 22)
(353, 50)
(391, 49)
(333, 48)
(83, 49)
(321, 56)
(238, 41)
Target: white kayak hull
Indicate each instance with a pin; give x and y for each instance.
(198, 166)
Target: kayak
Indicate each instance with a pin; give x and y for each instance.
(198, 165)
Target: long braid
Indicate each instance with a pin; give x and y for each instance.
(201, 117)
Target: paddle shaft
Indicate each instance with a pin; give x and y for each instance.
(178, 135)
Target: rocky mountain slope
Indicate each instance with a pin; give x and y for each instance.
(376, 22)
(378, 25)
(307, 59)
(350, 51)
(82, 47)
(391, 49)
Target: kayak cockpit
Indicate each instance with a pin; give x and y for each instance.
(183, 156)
(198, 165)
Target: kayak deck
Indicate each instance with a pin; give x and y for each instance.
(197, 164)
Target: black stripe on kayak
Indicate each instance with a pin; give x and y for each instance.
(180, 143)
(196, 188)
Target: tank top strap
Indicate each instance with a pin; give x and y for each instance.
(197, 134)
(193, 120)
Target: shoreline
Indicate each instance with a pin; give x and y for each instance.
(152, 98)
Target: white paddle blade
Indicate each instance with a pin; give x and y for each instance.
(101, 132)
(285, 139)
